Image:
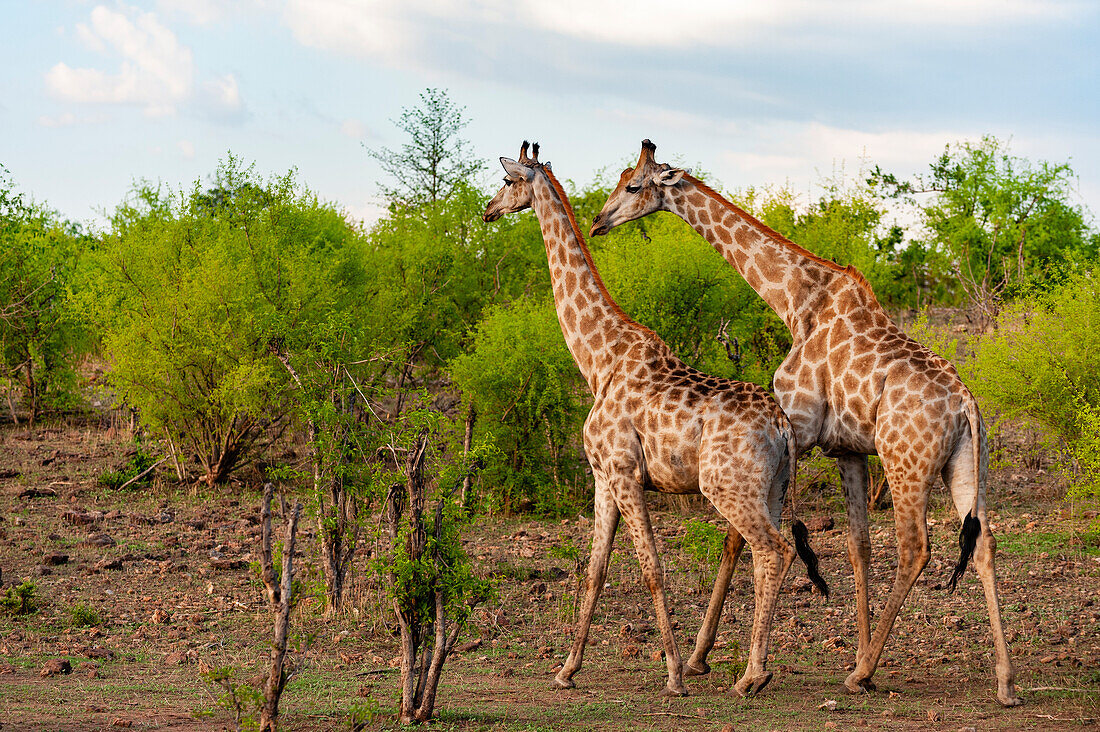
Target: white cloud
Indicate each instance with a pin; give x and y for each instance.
(155, 72)
(395, 31)
(355, 129)
(186, 149)
(719, 23)
(68, 119)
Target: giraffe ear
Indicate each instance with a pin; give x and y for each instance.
(669, 177)
(516, 170)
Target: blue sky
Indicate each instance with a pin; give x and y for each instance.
(96, 95)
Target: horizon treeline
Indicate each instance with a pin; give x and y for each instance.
(243, 318)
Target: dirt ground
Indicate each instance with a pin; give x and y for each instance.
(141, 591)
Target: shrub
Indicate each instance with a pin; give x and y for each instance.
(21, 599)
(41, 338)
(135, 465)
(189, 291)
(82, 616)
(1040, 364)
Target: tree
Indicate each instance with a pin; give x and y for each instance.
(999, 220)
(432, 585)
(41, 337)
(530, 402)
(188, 291)
(428, 168)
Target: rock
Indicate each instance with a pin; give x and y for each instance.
(97, 652)
(818, 524)
(933, 715)
(546, 652)
(122, 723)
(631, 651)
(56, 666)
(228, 563)
(38, 493)
(161, 616)
(82, 518)
(468, 646)
(828, 705)
(834, 643)
(55, 560)
(105, 564)
(952, 622)
(100, 539)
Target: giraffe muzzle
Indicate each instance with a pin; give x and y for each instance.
(599, 227)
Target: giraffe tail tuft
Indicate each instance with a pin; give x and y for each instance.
(968, 539)
(809, 558)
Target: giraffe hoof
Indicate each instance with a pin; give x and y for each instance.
(751, 687)
(1009, 700)
(855, 685)
(674, 691)
(560, 683)
(696, 668)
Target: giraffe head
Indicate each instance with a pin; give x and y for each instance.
(517, 192)
(641, 191)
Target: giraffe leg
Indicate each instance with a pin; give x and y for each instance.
(853, 478)
(984, 561)
(913, 555)
(631, 502)
(772, 556)
(603, 534)
(731, 549)
(959, 476)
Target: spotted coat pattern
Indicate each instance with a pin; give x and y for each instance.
(853, 384)
(658, 424)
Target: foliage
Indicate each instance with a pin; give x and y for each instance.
(669, 280)
(434, 161)
(999, 220)
(1040, 364)
(567, 549)
(82, 616)
(21, 599)
(528, 393)
(189, 290)
(429, 576)
(135, 465)
(702, 542)
(240, 699)
(41, 339)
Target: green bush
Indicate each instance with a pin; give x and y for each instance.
(21, 599)
(190, 290)
(1041, 364)
(530, 400)
(702, 543)
(41, 338)
(82, 616)
(135, 465)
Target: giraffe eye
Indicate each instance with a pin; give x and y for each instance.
(508, 181)
(633, 189)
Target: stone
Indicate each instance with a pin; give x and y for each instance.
(818, 524)
(55, 667)
(55, 560)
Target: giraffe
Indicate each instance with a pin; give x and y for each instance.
(855, 385)
(657, 423)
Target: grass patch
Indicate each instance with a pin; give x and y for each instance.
(1051, 542)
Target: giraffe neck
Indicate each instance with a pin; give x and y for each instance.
(789, 278)
(592, 323)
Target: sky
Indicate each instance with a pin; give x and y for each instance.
(95, 96)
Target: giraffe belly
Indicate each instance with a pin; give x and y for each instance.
(672, 470)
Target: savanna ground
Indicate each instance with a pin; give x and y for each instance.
(156, 587)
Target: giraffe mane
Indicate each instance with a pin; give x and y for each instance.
(850, 270)
(587, 254)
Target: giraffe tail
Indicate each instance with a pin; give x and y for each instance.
(798, 529)
(972, 525)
